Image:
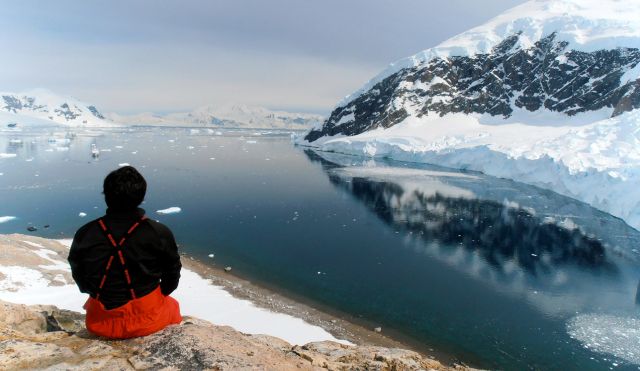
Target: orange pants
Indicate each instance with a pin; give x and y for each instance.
(139, 317)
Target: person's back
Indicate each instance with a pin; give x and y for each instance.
(127, 263)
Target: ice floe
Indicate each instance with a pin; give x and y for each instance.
(170, 210)
(617, 336)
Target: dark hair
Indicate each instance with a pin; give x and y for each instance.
(124, 189)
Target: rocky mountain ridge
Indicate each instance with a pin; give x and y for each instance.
(548, 76)
(541, 56)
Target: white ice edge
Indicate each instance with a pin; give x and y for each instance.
(587, 158)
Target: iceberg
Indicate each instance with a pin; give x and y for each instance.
(170, 210)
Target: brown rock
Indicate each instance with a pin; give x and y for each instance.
(28, 341)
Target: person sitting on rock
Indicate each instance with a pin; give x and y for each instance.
(127, 263)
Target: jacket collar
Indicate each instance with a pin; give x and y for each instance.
(125, 214)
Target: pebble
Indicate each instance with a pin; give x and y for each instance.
(227, 269)
(378, 329)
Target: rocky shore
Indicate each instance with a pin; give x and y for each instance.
(47, 337)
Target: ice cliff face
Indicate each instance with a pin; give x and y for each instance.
(564, 56)
(46, 107)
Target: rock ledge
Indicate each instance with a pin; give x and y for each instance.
(45, 337)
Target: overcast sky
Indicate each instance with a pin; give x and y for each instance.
(162, 56)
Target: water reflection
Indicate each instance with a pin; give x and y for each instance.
(513, 242)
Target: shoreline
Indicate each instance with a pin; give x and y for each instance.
(34, 271)
(339, 324)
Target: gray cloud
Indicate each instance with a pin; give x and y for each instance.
(170, 55)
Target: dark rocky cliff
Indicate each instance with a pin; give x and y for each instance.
(548, 75)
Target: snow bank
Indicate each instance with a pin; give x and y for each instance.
(598, 163)
(197, 297)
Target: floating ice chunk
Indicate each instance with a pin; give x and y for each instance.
(15, 141)
(191, 147)
(251, 141)
(1, 174)
(119, 147)
(134, 152)
(194, 131)
(4, 219)
(212, 158)
(218, 133)
(7, 155)
(124, 164)
(29, 159)
(82, 215)
(603, 333)
(211, 256)
(170, 210)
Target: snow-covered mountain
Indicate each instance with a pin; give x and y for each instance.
(235, 116)
(40, 107)
(546, 93)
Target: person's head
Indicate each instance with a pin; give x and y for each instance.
(124, 189)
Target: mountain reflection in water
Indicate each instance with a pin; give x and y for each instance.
(511, 240)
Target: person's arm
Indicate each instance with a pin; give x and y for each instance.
(171, 267)
(75, 261)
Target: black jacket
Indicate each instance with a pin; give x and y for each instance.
(151, 256)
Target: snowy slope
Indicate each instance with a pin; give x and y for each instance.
(587, 25)
(40, 107)
(546, 93)
(236, 115)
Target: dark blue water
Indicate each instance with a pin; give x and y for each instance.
(485, 269)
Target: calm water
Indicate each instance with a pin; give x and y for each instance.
(488, 270)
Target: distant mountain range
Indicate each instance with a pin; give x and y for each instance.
(237, 115)
(40, 107)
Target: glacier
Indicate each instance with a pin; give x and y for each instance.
(425, 109)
